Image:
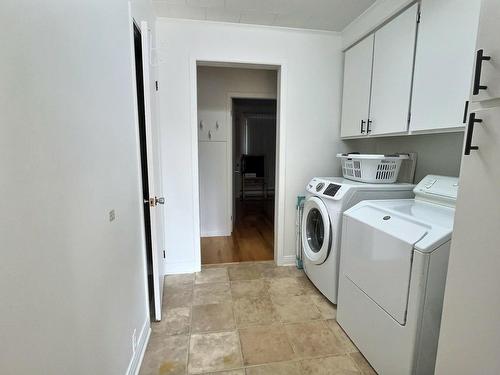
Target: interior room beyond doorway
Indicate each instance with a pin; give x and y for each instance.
(237, 163)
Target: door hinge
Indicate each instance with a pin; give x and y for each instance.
(409, 117)
(419, 14)
(156, 85)
(164, 255)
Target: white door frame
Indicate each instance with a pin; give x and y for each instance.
(279, 203)
(229, 121)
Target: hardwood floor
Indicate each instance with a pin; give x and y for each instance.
(252, 239)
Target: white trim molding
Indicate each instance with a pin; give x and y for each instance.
(279, 219)
(188, 266)
(137, 356)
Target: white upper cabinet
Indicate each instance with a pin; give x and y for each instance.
(377, 79)
(357, 81)
(486, 80)
(444, 63)
(393, 58)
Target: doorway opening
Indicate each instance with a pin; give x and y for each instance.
(237, 153)
(254, 173)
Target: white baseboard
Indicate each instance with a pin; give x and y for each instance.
(286, 260)
(180, 267)
(137, 357)
(215, 233)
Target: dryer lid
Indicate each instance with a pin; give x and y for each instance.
(408, 231)
(437, 219)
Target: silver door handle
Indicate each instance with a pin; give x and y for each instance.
(150, 202)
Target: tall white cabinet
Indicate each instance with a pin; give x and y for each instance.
(443, 64)
(470, 335)
(486, 81)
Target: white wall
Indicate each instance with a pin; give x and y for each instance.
(215, 87)
(437, 153)
(311, 101)
(73, 284)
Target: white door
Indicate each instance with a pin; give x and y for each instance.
(486, 80)
(356, 94)
(316, 230)
(444, 63)
(154, 178)
(393, 57)
(470, 334)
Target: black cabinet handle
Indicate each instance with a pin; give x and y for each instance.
(368, 130)
(470, 131)
(480, 57)
(363, 126)
(465, 111)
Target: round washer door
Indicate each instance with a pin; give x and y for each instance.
(316, 230)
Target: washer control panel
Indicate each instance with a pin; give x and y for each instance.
(322, 187)
(331, 190)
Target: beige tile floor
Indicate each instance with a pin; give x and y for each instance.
(250, 318)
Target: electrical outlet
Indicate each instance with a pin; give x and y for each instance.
(112, 215)
(134, 341)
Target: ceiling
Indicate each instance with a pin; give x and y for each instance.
(331, 15)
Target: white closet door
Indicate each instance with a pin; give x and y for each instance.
(472, 301)
(393, 55)
(443, 63)
(487, 72)
(356, 95)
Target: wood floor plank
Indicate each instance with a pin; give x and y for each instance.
(252, 238)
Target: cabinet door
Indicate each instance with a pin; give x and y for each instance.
(486, 79)
(473, 276)
(393, 57)
(356, 95)
(443, 63)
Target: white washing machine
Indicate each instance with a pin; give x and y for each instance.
(327, 199)
(393, 274)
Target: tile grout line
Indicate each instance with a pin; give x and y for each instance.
(190, 326)
(282, 325)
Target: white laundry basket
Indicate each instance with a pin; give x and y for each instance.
(375, 169)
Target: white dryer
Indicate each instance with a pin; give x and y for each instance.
(327, 199)
(392, 276)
